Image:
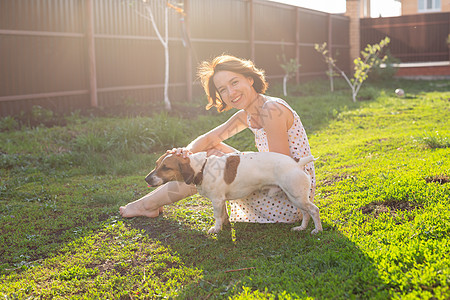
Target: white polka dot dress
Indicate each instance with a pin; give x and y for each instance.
(274, 206)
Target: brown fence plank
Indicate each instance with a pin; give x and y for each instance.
(414, 38)
(90, 39)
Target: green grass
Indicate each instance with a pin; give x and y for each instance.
(383, 193)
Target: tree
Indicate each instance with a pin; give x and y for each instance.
(370, 58)
(289, 67)
(164, 42)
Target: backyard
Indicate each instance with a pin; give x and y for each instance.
(382, 190)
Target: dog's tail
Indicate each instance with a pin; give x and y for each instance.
(305, 160)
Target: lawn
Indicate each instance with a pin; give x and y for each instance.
(382, 191)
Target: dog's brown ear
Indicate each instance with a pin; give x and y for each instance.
(198, 178)
(187, 172)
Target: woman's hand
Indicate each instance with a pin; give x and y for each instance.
(214, 152)
(184, 152)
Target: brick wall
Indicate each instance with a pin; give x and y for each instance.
(410, 7)
(424, 71)
(353, 12)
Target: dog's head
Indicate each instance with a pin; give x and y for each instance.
(171, 167)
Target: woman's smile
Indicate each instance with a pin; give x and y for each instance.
(235, 89)
(236, 99)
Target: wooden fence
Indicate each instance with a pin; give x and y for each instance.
(65, 55)
(414, 38)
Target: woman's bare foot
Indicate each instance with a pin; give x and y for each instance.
(137, 209)
(151, 205)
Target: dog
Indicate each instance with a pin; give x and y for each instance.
(236, 175)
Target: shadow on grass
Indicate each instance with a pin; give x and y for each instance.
(268, 258)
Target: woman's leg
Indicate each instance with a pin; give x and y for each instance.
(151, 204)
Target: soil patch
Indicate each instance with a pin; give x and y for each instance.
(391, 207)
(438, 178)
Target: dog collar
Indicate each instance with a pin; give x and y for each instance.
(199, 177)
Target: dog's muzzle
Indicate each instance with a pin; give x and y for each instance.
(153, 181)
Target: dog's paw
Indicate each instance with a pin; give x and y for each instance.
(214, 230)
(298, 228)
(315, 231)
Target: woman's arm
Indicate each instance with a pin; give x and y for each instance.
(277, 119)
(214, 138)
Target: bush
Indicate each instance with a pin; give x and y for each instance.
(388, 71)
(8, 124)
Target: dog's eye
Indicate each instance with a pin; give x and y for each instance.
(165, 168)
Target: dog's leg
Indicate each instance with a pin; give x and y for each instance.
(300, 198)
(220, 215)
(225, 216)
(305, 221)
(311, 211)
(315, 214)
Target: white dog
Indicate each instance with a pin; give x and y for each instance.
(236, 175)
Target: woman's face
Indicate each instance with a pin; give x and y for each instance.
(235, 89)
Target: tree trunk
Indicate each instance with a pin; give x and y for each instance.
(285, 78)
(330, 70)
(167, 104)
(165, 43)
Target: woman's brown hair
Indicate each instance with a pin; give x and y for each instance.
(208, 69)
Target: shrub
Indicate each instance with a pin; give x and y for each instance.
(8, 124)
(388, 70)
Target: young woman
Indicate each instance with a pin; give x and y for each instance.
(230, 82)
